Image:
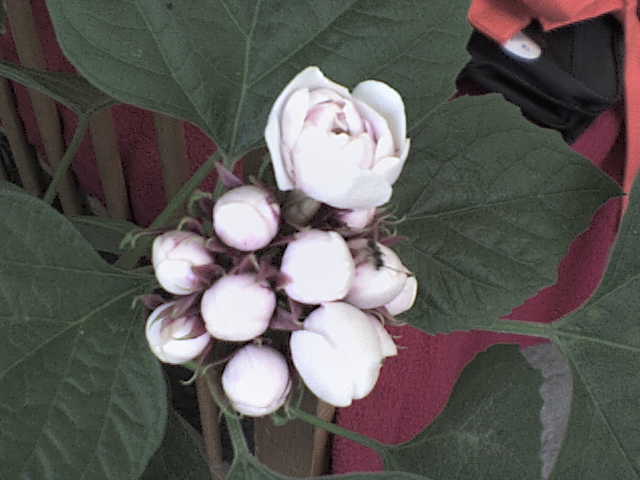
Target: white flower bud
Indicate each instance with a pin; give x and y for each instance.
(256, 380)
(379, 278)
(173, 255)
(405, 299)
(237, 308)
(245, 218)
(175, 340)
(339, 353)
(357, 219)
(319, 266)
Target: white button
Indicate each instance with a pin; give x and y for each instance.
(522, 47)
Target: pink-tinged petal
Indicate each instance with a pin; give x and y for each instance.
(353, 119)
(405, 299)
(384, 140)
(391, 167)
(310, 78)
(322, 95)
(323, 116)
(325, 173)
(293, 116)
(386, 101)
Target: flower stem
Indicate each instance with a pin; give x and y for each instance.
(238, 441)
(336, 429)
(67, 159)
(130, 258)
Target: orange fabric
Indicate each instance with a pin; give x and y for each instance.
(501, 19)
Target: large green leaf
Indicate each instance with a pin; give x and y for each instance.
(221, 63)
(69, 89)
(180, 456)
(491, 204)
(490, 428)
(104, 234)
(602, 343)
(80, 394)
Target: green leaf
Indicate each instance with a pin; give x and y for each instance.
(490, 428)
(69, 89)
(491, 204)
(81, 396)
(104, 234)
(221, 63)
(180, 456)
(248, 468)
(602, 343)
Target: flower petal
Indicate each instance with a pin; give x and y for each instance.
(309, 78)
(322, 368)
(325, 172)
(388, 103)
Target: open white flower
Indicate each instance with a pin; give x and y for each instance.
(319, 267)
(343, 149)
(340, 351)
(175, 340)
(174, 254)
(256, 380)
(238, 308)
(246, 218)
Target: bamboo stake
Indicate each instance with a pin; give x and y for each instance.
(171, 144)
(30, 52)
(105, 145)
(320, 453)
(23, 153)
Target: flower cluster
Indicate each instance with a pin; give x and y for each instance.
(315, 261)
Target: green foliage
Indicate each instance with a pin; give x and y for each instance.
(221, 64)
(490, 428)
(491, 204)
(602, 343)
(179, 457)
(104, 234)
(81, 396)
(69, 89)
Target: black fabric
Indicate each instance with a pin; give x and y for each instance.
(578, 75)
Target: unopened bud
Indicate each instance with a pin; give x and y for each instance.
(405, 299)
(174, 254)
(246, 218)
(238, 308)
(339, 352)
(256, 380)
(379, 277)
(319, 266)
(175, 340)
(357, 219)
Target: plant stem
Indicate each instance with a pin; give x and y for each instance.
(238, 441)
(130, 258)
(65, 162)
(336, 429)
(532, 329)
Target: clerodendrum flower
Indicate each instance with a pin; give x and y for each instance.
(174, 254)
(340, 351)
(340, 148)
(246, 218)
(256, 380)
